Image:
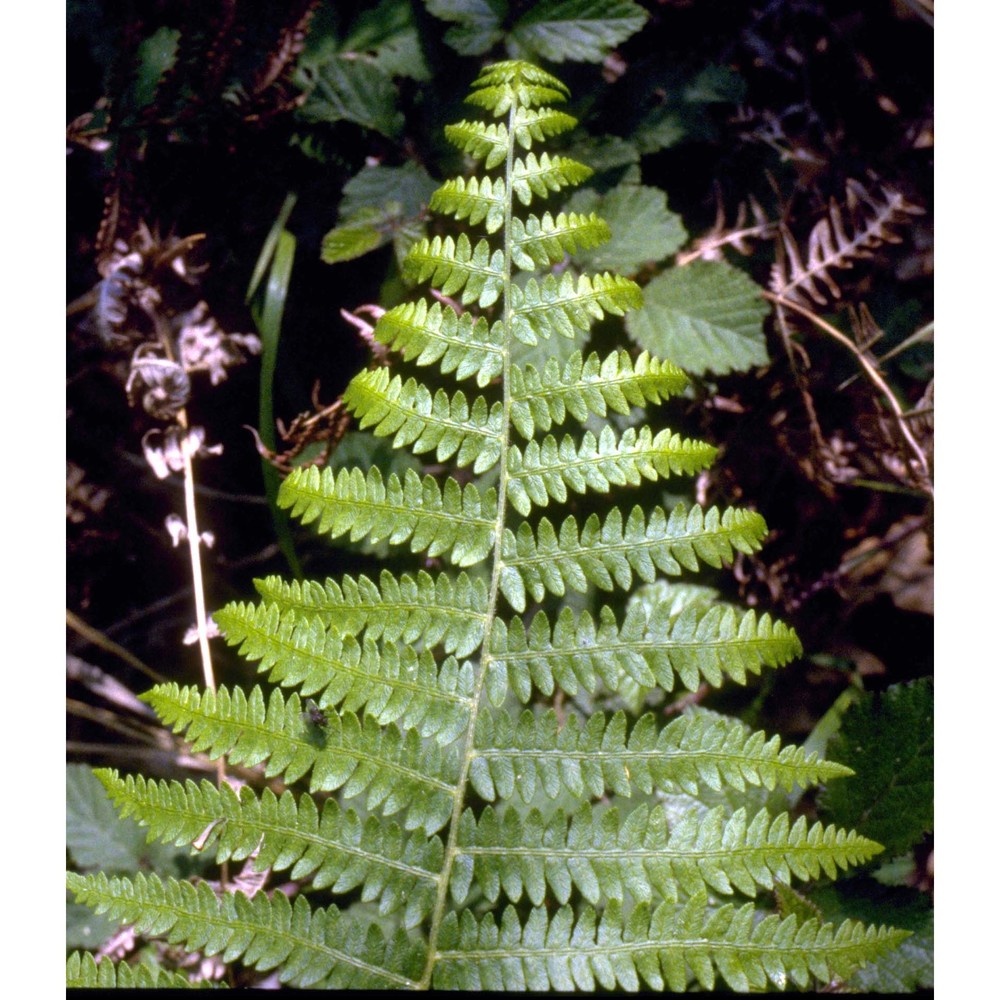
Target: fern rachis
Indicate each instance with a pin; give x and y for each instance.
(475, 832)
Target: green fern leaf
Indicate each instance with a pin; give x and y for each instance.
(606, 554)
(579, 388)
(334, 848)
(542, 472)
(391, 683)
(567, 305)
(433, 334)
(536, 242)
(491, 142)
(83, 972)
(390, 701)
(564, 950)
(442, 610)
(600, 755)
(700, 644)
(396, 772)
(454, 267)
(473, 200)
(504, 86)
(322, 948)
(452, 521)
(424, 422)
(542, 175)
(601, 853)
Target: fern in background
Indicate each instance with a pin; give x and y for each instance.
(490, 804)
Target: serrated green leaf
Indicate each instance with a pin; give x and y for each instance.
(350, 242)
(476, 23)
(579, 30)
(352, 90)
(643, 229)
(888, 740)
(706, 317)
(389, 35)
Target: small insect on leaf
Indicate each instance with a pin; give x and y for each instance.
(315, 714)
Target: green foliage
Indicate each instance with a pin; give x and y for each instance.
(643, 228)
(582, 30)
(380, 205)
(448, 722)
(83, 972)
(707, 316)
(888, 740)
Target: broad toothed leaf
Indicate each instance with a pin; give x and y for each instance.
(707, 316)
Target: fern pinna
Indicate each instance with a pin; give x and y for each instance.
(487, 803)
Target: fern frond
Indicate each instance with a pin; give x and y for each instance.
(418, 676)
(542, 472)
(83, 972)
(452, 521)
(465, 345)
(472, 199)
(422, 422)
(396, 772)
(504, 85)
(607, 553)
(335, 849)
(664, 948)
(598, 756)
(579, 388)
(566, 304)
(699, 644)
(442, 610)
(603, 853)
(453, 267)
(323, 948)
(537, 242)
(541, 175)
(870, 222)
(391, 683)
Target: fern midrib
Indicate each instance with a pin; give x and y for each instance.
(651, 643)
(685, 855)
(451, 848)
(803, 952)
(662, 754)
